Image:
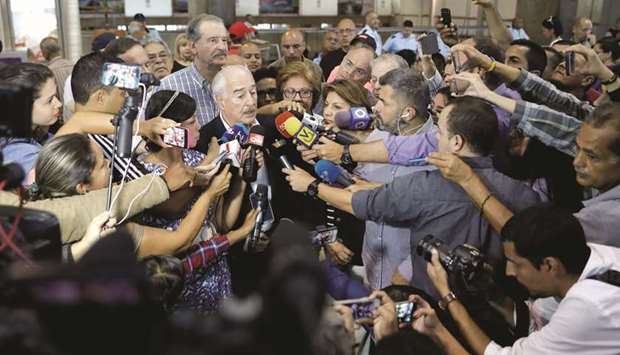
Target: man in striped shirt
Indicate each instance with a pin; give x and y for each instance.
(210, 39)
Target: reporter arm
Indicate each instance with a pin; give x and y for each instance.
(505, 103)
(369, 152)
(232, 204)
(476, 338)
(394, 149)
(339, 198)
(494, 211)
(497, 29)
(88, 122)
(448, 342)
(158, 241)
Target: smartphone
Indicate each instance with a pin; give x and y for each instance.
(446, 17)
(569, 62)
(324, 235)
(177, 136)
(123, 76)
(404, 312)
(429, 44)
(362, 308)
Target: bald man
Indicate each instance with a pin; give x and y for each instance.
(251, 55)
(293, 46)
(347, 30)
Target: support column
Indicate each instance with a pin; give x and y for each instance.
(196, 7)
(533, 12)
(70, 28)
(224, 9)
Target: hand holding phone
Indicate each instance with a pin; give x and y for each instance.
(429, 44)
(446, 17)
(123, 76)
(363, 308)
(404, 312)
(569, 63)
(177, 136)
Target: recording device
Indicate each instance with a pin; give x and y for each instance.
(569, 62)
(178, 137)
(362, 308)
(446, 17)
(237, 132)
(333, 174)
(280, 119)
(316, 122)
(300, 133)
(259, 199)
(123, 76)
(323, 235)
(285, 163)
(232, 150)
(404, 312)
(355, 119)
(255, 140)
(464, 261)
(429, 44)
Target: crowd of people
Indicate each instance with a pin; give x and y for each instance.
(477, 185)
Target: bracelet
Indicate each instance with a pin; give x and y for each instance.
(486, 199)
(446, 300)
(492, 66)
(610, 81)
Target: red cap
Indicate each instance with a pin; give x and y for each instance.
(239, 29)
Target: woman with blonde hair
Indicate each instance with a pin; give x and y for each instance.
(183, 52)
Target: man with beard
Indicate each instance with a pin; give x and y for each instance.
(209, 37)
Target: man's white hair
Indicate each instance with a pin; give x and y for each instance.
(218, 86)
(398, 61)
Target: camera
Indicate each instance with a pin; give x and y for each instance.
(465, 262)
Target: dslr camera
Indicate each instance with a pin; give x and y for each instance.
(464, 262)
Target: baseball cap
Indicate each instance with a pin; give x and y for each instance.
(364, 40)
(239, 29)
(102, 41)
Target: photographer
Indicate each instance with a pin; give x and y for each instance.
(44, 110)
(582, 275)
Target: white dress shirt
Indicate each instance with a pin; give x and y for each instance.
(587, 321)
(367, 30)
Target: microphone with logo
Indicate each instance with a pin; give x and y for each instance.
(355, 119)
(239, 132)
(333, 174)
(301, 133)
(255, 141)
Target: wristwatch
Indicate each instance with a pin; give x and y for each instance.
(313, 188)
(445, 300)
(346, 158)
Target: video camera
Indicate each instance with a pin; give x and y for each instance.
(464, 262)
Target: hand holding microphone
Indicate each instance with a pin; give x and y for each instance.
(256, 139)
(333, 174)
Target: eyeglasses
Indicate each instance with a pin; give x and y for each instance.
(291, 93)
(273, 92)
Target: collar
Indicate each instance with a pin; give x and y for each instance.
(228, 127)
(478, 162)
(613, 194)
(197, 76)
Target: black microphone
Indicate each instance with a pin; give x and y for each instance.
(345, 139)
(125, 118)
(285, 163)
(255, 140)
(262, 198)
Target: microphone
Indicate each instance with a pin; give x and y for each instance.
(239, 132)
(255, 140)
(302, 133)
(355, 119)
(333, 174)
(262, 192)
(285, 163)
(280, 119)
(316, 122)
(344, 138)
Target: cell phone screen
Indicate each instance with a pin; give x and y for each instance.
(362, 308)
(404, 312)
(120, 75)
(446, 16)
(267, 212)
(429, 44)
(569, 63)
(177, 136)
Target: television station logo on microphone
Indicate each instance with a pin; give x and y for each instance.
(306, 135)
(256, 139)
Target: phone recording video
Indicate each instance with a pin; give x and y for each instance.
(123, 76)
(429, 44)
(569, 63)
(177, 136)
(363, 308)
(446, 17)
(404, 312)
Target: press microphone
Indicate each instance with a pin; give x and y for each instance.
(316, 122)
(239, 132)
(280, 119)
(262, 198)
(333, 174)
(355, 119)
(255, 140)
(285, 163)
(344, 138)
(302, 133)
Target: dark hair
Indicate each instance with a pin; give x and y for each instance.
(475, 121)
(165, 275)
(607, 115)
(609, 44)
(120, 46)
(440, 62)
(553, 23)
(410, 87)
(139, 17)
(408, 55)
(181, 109)
(545, 230)
(535, 55)
(86, 75)
(50, 48)
(407, 342)
(28, 75)
(62, 164)
(487, 46)
(264, 73)
(408, 23)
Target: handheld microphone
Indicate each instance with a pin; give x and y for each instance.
(280, 119)
(355, 119)
(344, 138)
(239, 132)
(261, 193)
(332, 173)
(285, 163)
(302, 133)
(316, 122)
(255, 140)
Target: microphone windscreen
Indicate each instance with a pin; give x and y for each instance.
(359, 118)
(280, 119)
(257, 135)
(327, 171)
(343, 119)
(292, 126)
(239, 132)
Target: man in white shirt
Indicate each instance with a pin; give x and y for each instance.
(372, 25)
(516, 30)
(546, 251)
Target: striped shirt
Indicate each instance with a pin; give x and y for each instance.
(120, 164)
(191, 82)
(204, 253)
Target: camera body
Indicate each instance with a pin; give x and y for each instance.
(465, 261)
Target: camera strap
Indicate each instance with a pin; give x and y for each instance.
(167, 106)
(611, 277)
